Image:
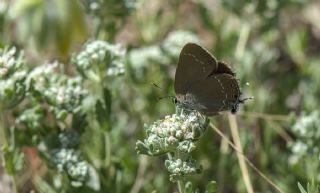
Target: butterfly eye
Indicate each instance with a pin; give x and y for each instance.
(175, 100)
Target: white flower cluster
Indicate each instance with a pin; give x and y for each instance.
(179, 168)
(177, 132)
(143, 57)
(65, 93)
(99, 56)
(31, 118)
(164, 54)
(176, 40)
(12, 77)
(38, 77)
(307, 130)
(10, 61)
(69, 161)
(308, 126)
(124, 6)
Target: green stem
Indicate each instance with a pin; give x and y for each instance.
(4, 138)
(107, 148)
(14, 183)
(242, 41)
(3, 133)
(181, 186)
(180, 181)
(107, 138)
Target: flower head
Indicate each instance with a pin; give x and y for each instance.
(12, 77)
(176, 40)
(177, 132)
(97, 56)
(179, 168)
(70, 161)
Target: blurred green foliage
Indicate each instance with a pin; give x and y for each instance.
(77, 88)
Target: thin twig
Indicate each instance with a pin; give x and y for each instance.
(242, 163)
(247, 160)
(140, 176)
(280, 131)
(265, 116)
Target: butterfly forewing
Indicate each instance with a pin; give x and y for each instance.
(194, 63)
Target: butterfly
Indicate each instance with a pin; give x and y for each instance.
(204, 84)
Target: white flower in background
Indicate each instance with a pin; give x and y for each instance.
(12, 77)
(59, 90)
(70, 161)
(37, 78)
(179, 168)
(145, 56)
(173, 44)
(308, 126)
(97, 56)
(307, 131)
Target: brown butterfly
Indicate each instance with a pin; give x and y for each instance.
(204, 84)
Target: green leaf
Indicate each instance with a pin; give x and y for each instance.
(43, 186)
(8, 163)
(103, 115)
(141, 148)
(212, 187)
(189, 187)
(62, 115)
(56, 25)
(302, 190)
(103, 110)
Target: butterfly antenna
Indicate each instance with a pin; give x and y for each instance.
(164, 97)
(249, 98)
(157, 86)
(243, 100)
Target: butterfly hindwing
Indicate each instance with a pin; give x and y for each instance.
(215, 94)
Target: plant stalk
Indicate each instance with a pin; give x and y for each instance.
(180, 181)
(242, 163)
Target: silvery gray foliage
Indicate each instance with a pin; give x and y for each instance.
(100, 56)
(12, 77)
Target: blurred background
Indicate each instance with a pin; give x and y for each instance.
(69, 123)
